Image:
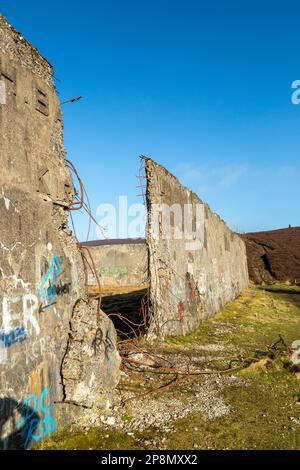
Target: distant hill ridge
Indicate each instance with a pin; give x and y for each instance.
(274, 255)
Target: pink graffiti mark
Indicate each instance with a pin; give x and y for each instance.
(193, 289)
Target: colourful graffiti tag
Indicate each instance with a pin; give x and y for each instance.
(31, 422)
(116, 271)
(62, 289)
(48, 291)
(14, 336)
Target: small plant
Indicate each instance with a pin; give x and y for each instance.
(127, 418)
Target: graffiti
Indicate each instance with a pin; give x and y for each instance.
(12, 320)
(106, 343)
(192, 287)
(192, 294)
(62, 289)
(10, 437)
(109, 344)
(53, 291)
(38, 347)
(30, 306)
(116, 271)
(48, 291)
(110, 349)
(18, 335)
(180, 311)
(33, 428)
(97, 341)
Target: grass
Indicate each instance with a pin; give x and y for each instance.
(260, 418)
(265, 413)
(253, 321)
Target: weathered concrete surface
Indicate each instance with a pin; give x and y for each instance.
(188, 282)
(92, 360)
(42, 276)
(119, 262)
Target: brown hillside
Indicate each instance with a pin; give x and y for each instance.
(274, 256)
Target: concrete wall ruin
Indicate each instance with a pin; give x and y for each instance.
(54, 345)
(196, 263)
(119, 262)
(57, 349)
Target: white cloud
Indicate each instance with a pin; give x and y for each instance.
(187, 173)
(210, 180)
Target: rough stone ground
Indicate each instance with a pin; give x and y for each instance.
(274, 256)
(162, 409)
(256, 407)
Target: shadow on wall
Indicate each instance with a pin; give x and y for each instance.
(20, 438)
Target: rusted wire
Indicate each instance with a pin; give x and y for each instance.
(71, 402)
(124, 320)
(92, 218)
(139, 327)
(96, 275)
(76, 205)
(170, 370)
(79, 204)
(155, 390)
(90, 210)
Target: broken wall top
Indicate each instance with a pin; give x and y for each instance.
(14, 45)
(197, 264)
(152, 168)
(33, 152)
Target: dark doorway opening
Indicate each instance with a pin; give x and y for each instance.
(128, 311)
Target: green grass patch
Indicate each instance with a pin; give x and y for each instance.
(264, 415)
(265, 412)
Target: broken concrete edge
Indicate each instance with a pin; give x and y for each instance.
(90, 338)
(37, 56)
(114, 241)
(151, 162)
(188, 285)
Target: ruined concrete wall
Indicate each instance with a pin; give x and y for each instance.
(41, 270)
(196, 263)
(119, 264)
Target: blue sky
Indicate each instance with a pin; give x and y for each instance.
(202, 87)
